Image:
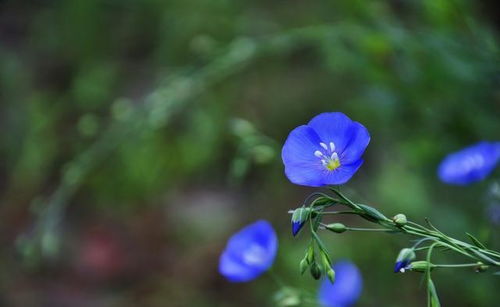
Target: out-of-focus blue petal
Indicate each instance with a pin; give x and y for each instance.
(249, 252)
(471, 164)
(234, 270)
(357, 144)
(346, 289)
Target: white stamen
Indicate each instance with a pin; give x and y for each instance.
(332, 146)
(334, 156)
(318, 154)
(323, 145)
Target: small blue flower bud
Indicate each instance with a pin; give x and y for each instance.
(299, 218)
(406, 255)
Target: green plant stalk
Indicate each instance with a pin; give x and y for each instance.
(436, 237)
(483, 257)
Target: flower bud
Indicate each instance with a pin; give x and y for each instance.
(372, 214)
(310, 254)
(299, 218)
(315, 271)
(481, 267)
(400, 219)
(303, 266)
(406, 255)
(336, 227)
(331, 275)
(420, 266)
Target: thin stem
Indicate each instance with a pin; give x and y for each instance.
(370, 229)
(347, 200)
(276, 278)
(461, 265)
(338, 212)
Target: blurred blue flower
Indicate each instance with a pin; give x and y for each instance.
(346, 289)
(249, 252)
(470, 164)
(326, 151)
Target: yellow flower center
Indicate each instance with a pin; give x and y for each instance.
(332, 164)
(329, 158)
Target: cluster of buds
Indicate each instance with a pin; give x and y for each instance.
(316, 270)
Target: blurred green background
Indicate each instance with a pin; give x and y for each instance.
(137, 136)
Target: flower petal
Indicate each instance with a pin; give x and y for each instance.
(306, 175)
(301, 165)
(333, 127)
(356, 145)
(300, 146)
(342, 174)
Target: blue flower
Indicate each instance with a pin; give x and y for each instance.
(470, 164)
(249, 252)
(326, 151)
(346, 289)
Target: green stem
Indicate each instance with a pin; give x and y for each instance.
(370, 229)
(276, 278)
(461, 265)
(338, 212)
(484, 255)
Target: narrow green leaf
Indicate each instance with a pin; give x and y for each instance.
(475, 241)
